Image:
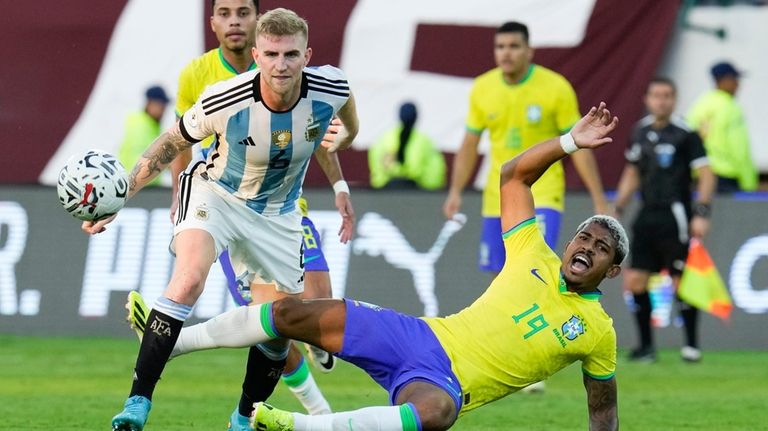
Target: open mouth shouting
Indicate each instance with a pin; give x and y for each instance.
(580, 263)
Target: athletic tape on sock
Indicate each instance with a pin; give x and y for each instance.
(267, 323)
(298, 376)
(409, 417)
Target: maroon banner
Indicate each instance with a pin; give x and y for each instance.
(52, 56)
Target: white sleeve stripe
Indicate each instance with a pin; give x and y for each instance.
(697, 163)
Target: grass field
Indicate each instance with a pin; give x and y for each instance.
(78, 384)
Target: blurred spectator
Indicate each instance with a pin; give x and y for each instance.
(405, 156)
(720, 122)
(142, 127)
(662, 153)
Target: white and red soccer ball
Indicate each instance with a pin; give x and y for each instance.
(93, 186)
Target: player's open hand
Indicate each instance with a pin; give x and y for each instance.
(593, 129)
(93, 227)
(344, 205)
(336, 137)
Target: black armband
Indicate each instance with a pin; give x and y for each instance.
(701, 209)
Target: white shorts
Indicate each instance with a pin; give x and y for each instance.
(268, 247)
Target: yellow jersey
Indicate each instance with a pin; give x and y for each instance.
(526, 326)
(518, 116)
(303, 206)
(201, 72)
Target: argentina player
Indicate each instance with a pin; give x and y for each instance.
(244, 198)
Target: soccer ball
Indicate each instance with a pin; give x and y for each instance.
(93, 186)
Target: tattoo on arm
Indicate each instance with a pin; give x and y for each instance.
(156, 158)
(602, 401)
(132, 177)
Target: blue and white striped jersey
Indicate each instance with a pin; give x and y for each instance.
(261, 156)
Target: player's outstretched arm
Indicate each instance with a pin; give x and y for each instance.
(519, 174)
(156, 158)
(602, 402)
(329, 163)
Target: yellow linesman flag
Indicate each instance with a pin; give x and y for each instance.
(701, 284)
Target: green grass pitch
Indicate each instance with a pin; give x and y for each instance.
(79, 383)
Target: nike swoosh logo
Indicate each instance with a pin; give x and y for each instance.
(535, 272)
(328, 363)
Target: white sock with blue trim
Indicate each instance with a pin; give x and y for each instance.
(172, 308)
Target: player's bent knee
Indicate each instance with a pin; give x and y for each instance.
(187, 287)
(287, 313)
(437, 415)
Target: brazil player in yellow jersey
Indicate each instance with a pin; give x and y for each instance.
(538, 316)
(520, 104)
(234, 24)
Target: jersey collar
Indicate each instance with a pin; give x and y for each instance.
(228, 66)
(589, 296)
(526, 77)
(257, 92)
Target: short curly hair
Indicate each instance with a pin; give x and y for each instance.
(617, 233)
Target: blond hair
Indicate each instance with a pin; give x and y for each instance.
(281, 22)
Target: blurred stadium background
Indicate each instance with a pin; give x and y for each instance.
(73, 70)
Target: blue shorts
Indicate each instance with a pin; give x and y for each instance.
(492, 255)
(396, 349)
(314, 259)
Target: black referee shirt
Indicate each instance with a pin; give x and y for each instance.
(665, 158)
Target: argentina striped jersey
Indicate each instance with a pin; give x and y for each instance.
(261, 156)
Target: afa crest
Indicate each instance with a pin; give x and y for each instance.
(201, 212)
(281, 138)
(312, 132)
(160, 327)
